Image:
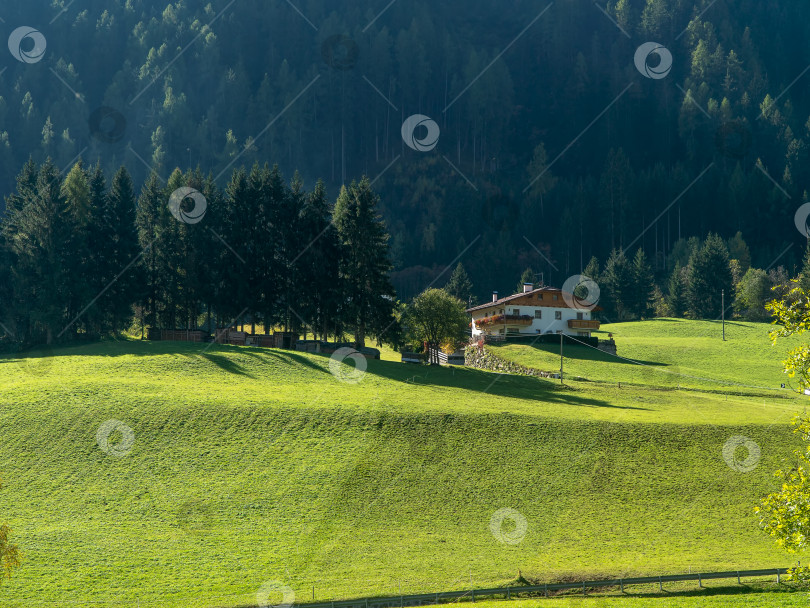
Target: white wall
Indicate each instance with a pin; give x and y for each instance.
(547, 323)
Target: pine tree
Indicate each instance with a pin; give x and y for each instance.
(617, 286)
(122, 252)
(317, 263)
(460, 286)
(643, 285)
(708, 274)
(364, 265)
(676, 297)
(526, 277)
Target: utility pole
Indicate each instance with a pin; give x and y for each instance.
(561, 358)
(723, 314)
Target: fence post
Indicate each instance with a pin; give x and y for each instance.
(621, 584)
(583, 582)
(545, 588)
(778, 580)
(738, 578)
(660, 585)
(700, 582)
(508, 593)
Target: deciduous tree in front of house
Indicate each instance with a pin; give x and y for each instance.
(435, 317)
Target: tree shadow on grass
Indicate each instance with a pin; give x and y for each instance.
(226, 364)
(585, 353)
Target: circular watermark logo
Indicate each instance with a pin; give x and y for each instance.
(344, 372)
(183, 211)
(27, 44)
(340, 52)
(653, 60)
(428, 128)
(107, 125)
(123, 438)
(732, 456)
(733, 139)
(801, 220)
(519, 526)
(580, 292)
(270, 592)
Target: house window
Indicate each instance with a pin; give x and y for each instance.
(516, 311)
(554, 297)
(538, 314)
(539, 296)
(579, 316)
(558, 315)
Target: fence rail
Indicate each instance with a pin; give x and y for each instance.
(424, 599)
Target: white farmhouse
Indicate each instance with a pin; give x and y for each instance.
(535, 311)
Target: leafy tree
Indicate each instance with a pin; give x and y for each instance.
(785, 514)
(708, 274)
(9, 554)
(738, 250)
(676, 296)
(804, 274)
(368, 296)
(752, 293)
(459, 286)
(435, 317)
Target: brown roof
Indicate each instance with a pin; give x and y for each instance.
(516, 296)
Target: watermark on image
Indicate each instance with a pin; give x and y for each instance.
(732, 455)
(340, 52)
(801, 218)
(271, 591)
(428, 129)
(653, 60)
(107, 125)
(187, 205)
(344, 372)
(519, 526)
(123, 438)
(27, 44)
(580, 292)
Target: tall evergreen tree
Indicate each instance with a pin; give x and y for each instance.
(709, 273)
(617, 286)
(459, 286)
(676, 295)
(364, 264)
(643, 291)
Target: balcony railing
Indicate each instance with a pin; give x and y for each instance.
(504, 320)
(583, 324)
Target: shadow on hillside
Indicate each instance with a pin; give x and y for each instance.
(585, 353)
(225, 364)
(472, 380)
(724, 590)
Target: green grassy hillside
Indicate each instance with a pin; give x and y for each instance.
(671, 352)
(256, 465)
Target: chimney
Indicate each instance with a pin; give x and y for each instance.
(527, 287)
(494, 296)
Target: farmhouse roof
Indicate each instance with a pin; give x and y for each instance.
(515, 296)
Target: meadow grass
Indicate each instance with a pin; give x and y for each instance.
(254, 465)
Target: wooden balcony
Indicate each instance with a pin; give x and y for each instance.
(501, 320)
(583, 324)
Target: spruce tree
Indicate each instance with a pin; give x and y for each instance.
(460, 286)
(617, 286)
(676, 296)
(643, 291)
(709, 273)
(364, 265)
